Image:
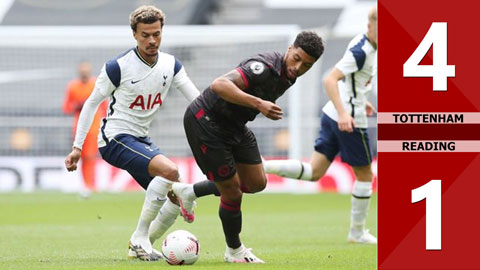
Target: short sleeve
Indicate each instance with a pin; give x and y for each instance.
(177, 67)
(253, 72)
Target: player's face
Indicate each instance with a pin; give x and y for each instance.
(148, 38)
(297, 62)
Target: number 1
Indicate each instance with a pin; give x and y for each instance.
(432, 192)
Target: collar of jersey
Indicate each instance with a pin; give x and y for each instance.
(143, 60)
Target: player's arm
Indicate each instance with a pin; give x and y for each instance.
(183, 83)
(370, 109)
(103, 88)
(345, 121)
(231, 87)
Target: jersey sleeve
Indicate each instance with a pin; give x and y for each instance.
(253, 72)
(352, 61)
(103, 88)
(182, 82)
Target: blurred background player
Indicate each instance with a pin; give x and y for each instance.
(343, 128)
(78, 90)
(224, 147)
(137, 83)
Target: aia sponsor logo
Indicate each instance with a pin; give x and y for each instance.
(149, 104)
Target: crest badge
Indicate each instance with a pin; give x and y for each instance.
(257, 68)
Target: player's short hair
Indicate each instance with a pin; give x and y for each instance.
(146, 14)
(372, 14)
(311, 43)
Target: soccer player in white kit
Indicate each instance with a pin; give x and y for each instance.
(343, 128)
(137, 83)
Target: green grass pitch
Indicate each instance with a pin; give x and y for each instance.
(61, 231)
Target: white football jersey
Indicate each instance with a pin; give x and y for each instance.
(359, 64)
(136, 90)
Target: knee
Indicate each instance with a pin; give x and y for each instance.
(363, 173)
(169, 172)
(257, 185)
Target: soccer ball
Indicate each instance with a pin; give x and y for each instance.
(180, 247)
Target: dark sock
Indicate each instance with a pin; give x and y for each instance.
(205, 188)
(231, 218)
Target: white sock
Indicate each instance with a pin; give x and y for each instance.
(360, 199)
(189, 191)
(164, 220)
(235, 250)
(155, 197)
(289, 168)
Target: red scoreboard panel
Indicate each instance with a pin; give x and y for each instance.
(428, 134)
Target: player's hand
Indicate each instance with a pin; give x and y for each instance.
(346, 122)
(370, 109)
(72, 159)
(270, 110)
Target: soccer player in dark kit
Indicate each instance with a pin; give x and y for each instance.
(224, 148)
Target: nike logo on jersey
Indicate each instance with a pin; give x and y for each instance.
(134, 82)
(161, 199)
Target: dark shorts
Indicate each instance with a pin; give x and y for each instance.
(217, 147)
(132, 154)
(354, 147)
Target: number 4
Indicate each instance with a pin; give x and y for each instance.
(440, 71)
(432, 192)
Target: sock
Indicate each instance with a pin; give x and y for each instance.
(289, 168)
(164, 220)
(360, 199)
(231, 218)
(155, 197)
(205, 188)
(236, 250)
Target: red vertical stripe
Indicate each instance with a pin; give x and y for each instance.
(243, 76)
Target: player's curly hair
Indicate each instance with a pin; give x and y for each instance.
(311, 43)
(146, 14)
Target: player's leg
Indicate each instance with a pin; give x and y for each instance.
(231, 216)
(89, 156)
(249, 162)
(135, 155)
(326, 148)
(207, 148)
(355, 150)
(252, 177)
(188, 193)
(164, 172)
(361, 193)
(165, 219)
(296, 169)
